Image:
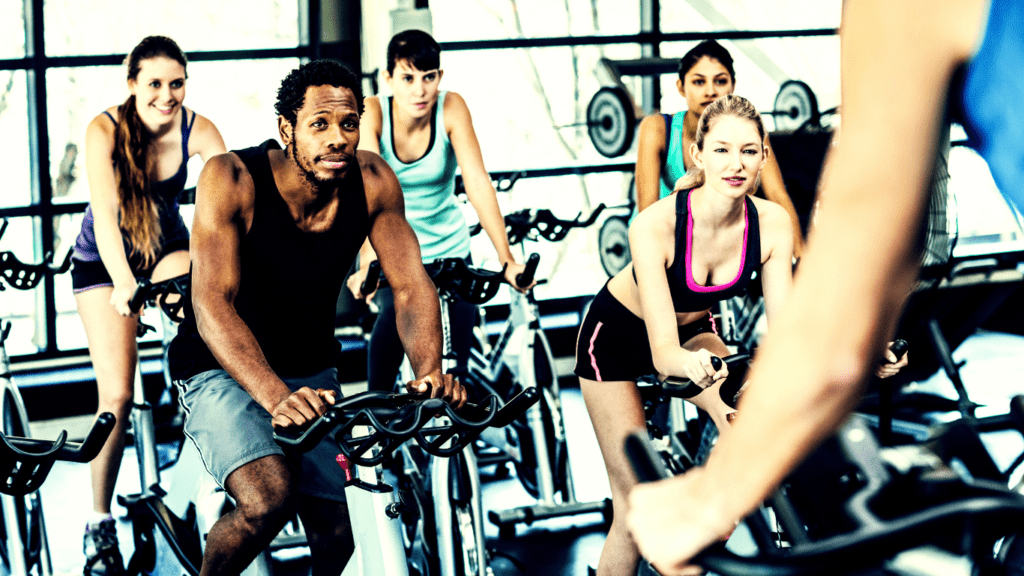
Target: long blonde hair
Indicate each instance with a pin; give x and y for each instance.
(728, 105)
(140, 218)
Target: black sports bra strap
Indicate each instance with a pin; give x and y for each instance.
(111, 117)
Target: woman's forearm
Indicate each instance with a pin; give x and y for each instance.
(110, 243)
(485, 201)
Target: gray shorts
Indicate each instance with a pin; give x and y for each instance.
(230, 429)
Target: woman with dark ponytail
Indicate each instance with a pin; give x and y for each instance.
(706, 73)
(136, 156)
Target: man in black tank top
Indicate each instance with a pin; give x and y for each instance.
(274, 232)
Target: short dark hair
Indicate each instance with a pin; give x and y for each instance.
(415, 47)
(292, 93)
(712, 50)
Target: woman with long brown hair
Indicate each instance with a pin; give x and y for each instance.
(136, 157)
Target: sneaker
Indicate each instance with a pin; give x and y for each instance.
(102, 555)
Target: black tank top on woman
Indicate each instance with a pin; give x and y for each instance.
(290, 281)
(687, 294)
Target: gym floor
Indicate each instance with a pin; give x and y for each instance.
(561, 546)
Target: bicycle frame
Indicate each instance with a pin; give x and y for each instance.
(14, 419)
(379, 548)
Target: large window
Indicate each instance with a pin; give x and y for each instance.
(197, 25)
(73, 71)
(21, 307)
(456, 20)
(528, 69)
(762, 65)
(12, 41)
(16, 158)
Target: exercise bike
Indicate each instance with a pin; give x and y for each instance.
(918, 499)
(372, 426)
(521, 359)
(24, 462)
(444, 529)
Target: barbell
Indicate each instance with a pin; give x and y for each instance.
(611, 117)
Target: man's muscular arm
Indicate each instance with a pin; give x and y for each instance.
(417, 311)
(225, 197)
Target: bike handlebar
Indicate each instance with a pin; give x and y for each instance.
(679, 387)
(27, 461)
(156, 293)
(369, 284)
(23, 276)
(396, 418)
(453, 275)
(875, 540)
(899, 348)
(525, 278)
(531, 224)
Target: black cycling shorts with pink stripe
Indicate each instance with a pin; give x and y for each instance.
(612, 345)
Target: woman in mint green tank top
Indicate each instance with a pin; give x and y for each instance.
(424, 134)
(705, 74)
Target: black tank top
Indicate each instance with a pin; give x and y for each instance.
(290, 281)
(687, 294)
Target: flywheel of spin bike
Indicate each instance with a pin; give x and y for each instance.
(526, 467)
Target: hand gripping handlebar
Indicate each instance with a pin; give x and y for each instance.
(679, 387)
(395, 418)
(875, 539)
(25, 462)
(524, 278)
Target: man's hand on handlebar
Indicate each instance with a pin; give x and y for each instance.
(302, 407)
(671, 521)
(437, 385)
(892, 364)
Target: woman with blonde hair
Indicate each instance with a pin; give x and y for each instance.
(692, 249)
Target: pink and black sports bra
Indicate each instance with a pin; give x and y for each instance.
(687, 294)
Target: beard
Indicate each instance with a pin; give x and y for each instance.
(306, 166)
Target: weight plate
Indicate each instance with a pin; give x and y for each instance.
(611, 122)
(613, 244)
(795, 105)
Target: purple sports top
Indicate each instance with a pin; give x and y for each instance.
(166, 194)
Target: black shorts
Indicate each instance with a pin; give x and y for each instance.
(89, 275)
(612, 345)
